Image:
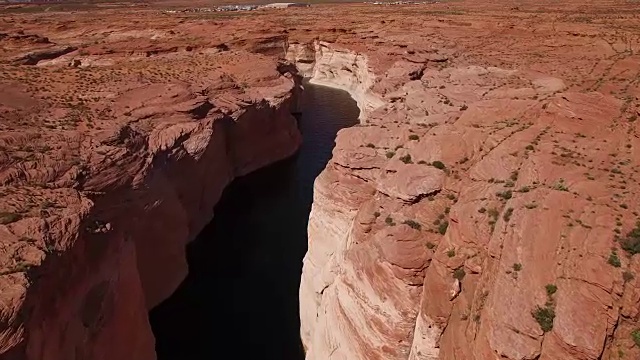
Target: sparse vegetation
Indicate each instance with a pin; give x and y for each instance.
(505, 195)
(406, 159)
(413, 137)
(560, 187)
(635, 335)
(438, 165)
(8, 218)
(412, 224)
(507, 214)
(390, 154)
(544, 316)
(614, 260)
(459, 274)
(370, 145)
(442, 228)
(627, 276)
(451, 253)
(551, 289)
(631, 244)
(517, 267)
(430, 245)
(376, 214)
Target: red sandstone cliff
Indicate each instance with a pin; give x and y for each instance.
(491, 179)
(95, 212)
(478, 212)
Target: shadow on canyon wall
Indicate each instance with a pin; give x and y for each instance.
(240, 299)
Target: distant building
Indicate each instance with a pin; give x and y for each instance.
(284, 5)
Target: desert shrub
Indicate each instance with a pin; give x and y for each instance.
(413, 224)
(631, 243)
(544, 316)
(551, 289)
(635, 335)
(413, 137)
(459, 274)
(507, 214)
(8, 218)
(442, 228)
(614, 260)
(506, 195)
(389, 221)
(406, 159)
(438, 165)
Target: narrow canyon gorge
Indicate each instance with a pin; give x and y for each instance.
(479, 202)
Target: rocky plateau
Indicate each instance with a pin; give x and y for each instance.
(486, 206)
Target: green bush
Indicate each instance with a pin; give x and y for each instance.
(413, 224)
(551, 289)
(442, 228)
(406, 159)
(459, 274)
(8, 218)
(507, 214)
(506, 195)
(635, 335)
(389, 221)
(544, 316)
(614, 260)
(631, 243)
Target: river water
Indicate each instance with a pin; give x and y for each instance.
(240, 299)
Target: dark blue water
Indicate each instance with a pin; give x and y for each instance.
(240, 299)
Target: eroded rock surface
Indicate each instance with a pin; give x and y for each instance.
(478, 197)
(492, 177)
(110, 166)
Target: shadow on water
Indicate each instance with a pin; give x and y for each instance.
(241, 294)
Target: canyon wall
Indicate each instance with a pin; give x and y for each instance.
(460, 219)
(80, 276)
(325, 65)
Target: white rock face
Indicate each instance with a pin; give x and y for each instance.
(340, 69)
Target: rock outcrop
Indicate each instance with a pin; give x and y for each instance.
(485, 208)
(96, 211)
(468, 216)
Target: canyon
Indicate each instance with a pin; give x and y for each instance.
(485, 206)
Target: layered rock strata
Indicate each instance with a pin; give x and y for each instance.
(468, 217)
(95, 214)
(484, 209)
